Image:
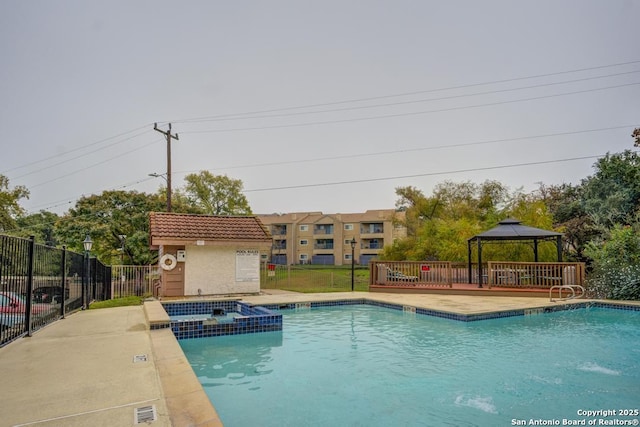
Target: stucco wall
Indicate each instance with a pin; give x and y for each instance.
(213, 270)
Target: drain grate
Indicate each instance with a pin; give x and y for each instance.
(145, 414)
(139, 358)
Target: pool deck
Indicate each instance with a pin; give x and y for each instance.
(83, 370)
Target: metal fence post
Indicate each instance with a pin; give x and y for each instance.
(85, 279)
(63, 285)
(31, 259)
(93, 279)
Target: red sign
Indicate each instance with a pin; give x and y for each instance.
(425, 267)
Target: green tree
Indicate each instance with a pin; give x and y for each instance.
(41, 225)
(216, 194)
(612, 195)
(439, 226)
(565, 202)
(180, 203)
(10, 207)
(105, 218)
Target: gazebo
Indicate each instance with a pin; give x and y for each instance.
(512, 230)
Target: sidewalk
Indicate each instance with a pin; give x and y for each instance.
(80, 371)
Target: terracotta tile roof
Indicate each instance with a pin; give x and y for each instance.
(206, 227)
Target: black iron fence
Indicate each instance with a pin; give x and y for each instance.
(40, 284)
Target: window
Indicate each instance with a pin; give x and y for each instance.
(304, 257)
(347, 242)
(304, 227)
(304, 242)
(348, 227)
(347, 257)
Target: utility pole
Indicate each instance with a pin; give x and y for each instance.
(169, 136)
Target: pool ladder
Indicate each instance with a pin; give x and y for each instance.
(560, 288)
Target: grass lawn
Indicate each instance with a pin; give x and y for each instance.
(313, 279)
(117, 302)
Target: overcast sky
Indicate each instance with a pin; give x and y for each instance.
(316, 106)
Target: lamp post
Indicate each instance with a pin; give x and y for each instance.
(87, 243)
(158, 175)
(353, 250)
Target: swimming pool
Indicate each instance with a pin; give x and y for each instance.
(370, 366)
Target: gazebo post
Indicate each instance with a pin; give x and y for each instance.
(479, 263)
(469, 265)
(559, 247)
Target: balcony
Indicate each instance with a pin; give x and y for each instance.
(279, 244)
(279, 230)
(323, 229)
(374, 244)
(372, 228)
(323, 244)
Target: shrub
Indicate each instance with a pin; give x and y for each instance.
(616, 265)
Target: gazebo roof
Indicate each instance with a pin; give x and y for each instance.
(512, 229)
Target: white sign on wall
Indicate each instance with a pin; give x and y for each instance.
(247, 265)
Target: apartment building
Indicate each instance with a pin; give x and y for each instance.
(317, 238)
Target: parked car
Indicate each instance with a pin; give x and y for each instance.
(13, 308)
(50, 294)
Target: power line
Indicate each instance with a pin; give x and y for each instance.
(360, 155)
(75, 149)
(416, 101)
(59, 203)
(414, 113)
(93, 165)
(78, 157)
(229, 116)
(407, 93)
(410, 150)
(359, 181)
(213, 118)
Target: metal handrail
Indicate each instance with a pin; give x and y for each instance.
(570, 287)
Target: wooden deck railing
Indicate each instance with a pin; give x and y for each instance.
(541, 275)
(534, 274)
(411, 273)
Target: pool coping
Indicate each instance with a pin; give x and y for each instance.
(188, 403)
(569, 305)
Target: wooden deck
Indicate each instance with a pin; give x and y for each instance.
(501, 278)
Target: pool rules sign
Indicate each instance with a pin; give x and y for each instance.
(247, 265)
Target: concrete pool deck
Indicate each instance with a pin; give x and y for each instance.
(83, 370)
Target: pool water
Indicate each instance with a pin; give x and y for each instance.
(368, 366)
(225, 318)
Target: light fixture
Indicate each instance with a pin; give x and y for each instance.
(158, 175)
(87, 243)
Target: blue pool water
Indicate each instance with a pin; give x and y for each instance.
(226, 318)
(368, 366)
